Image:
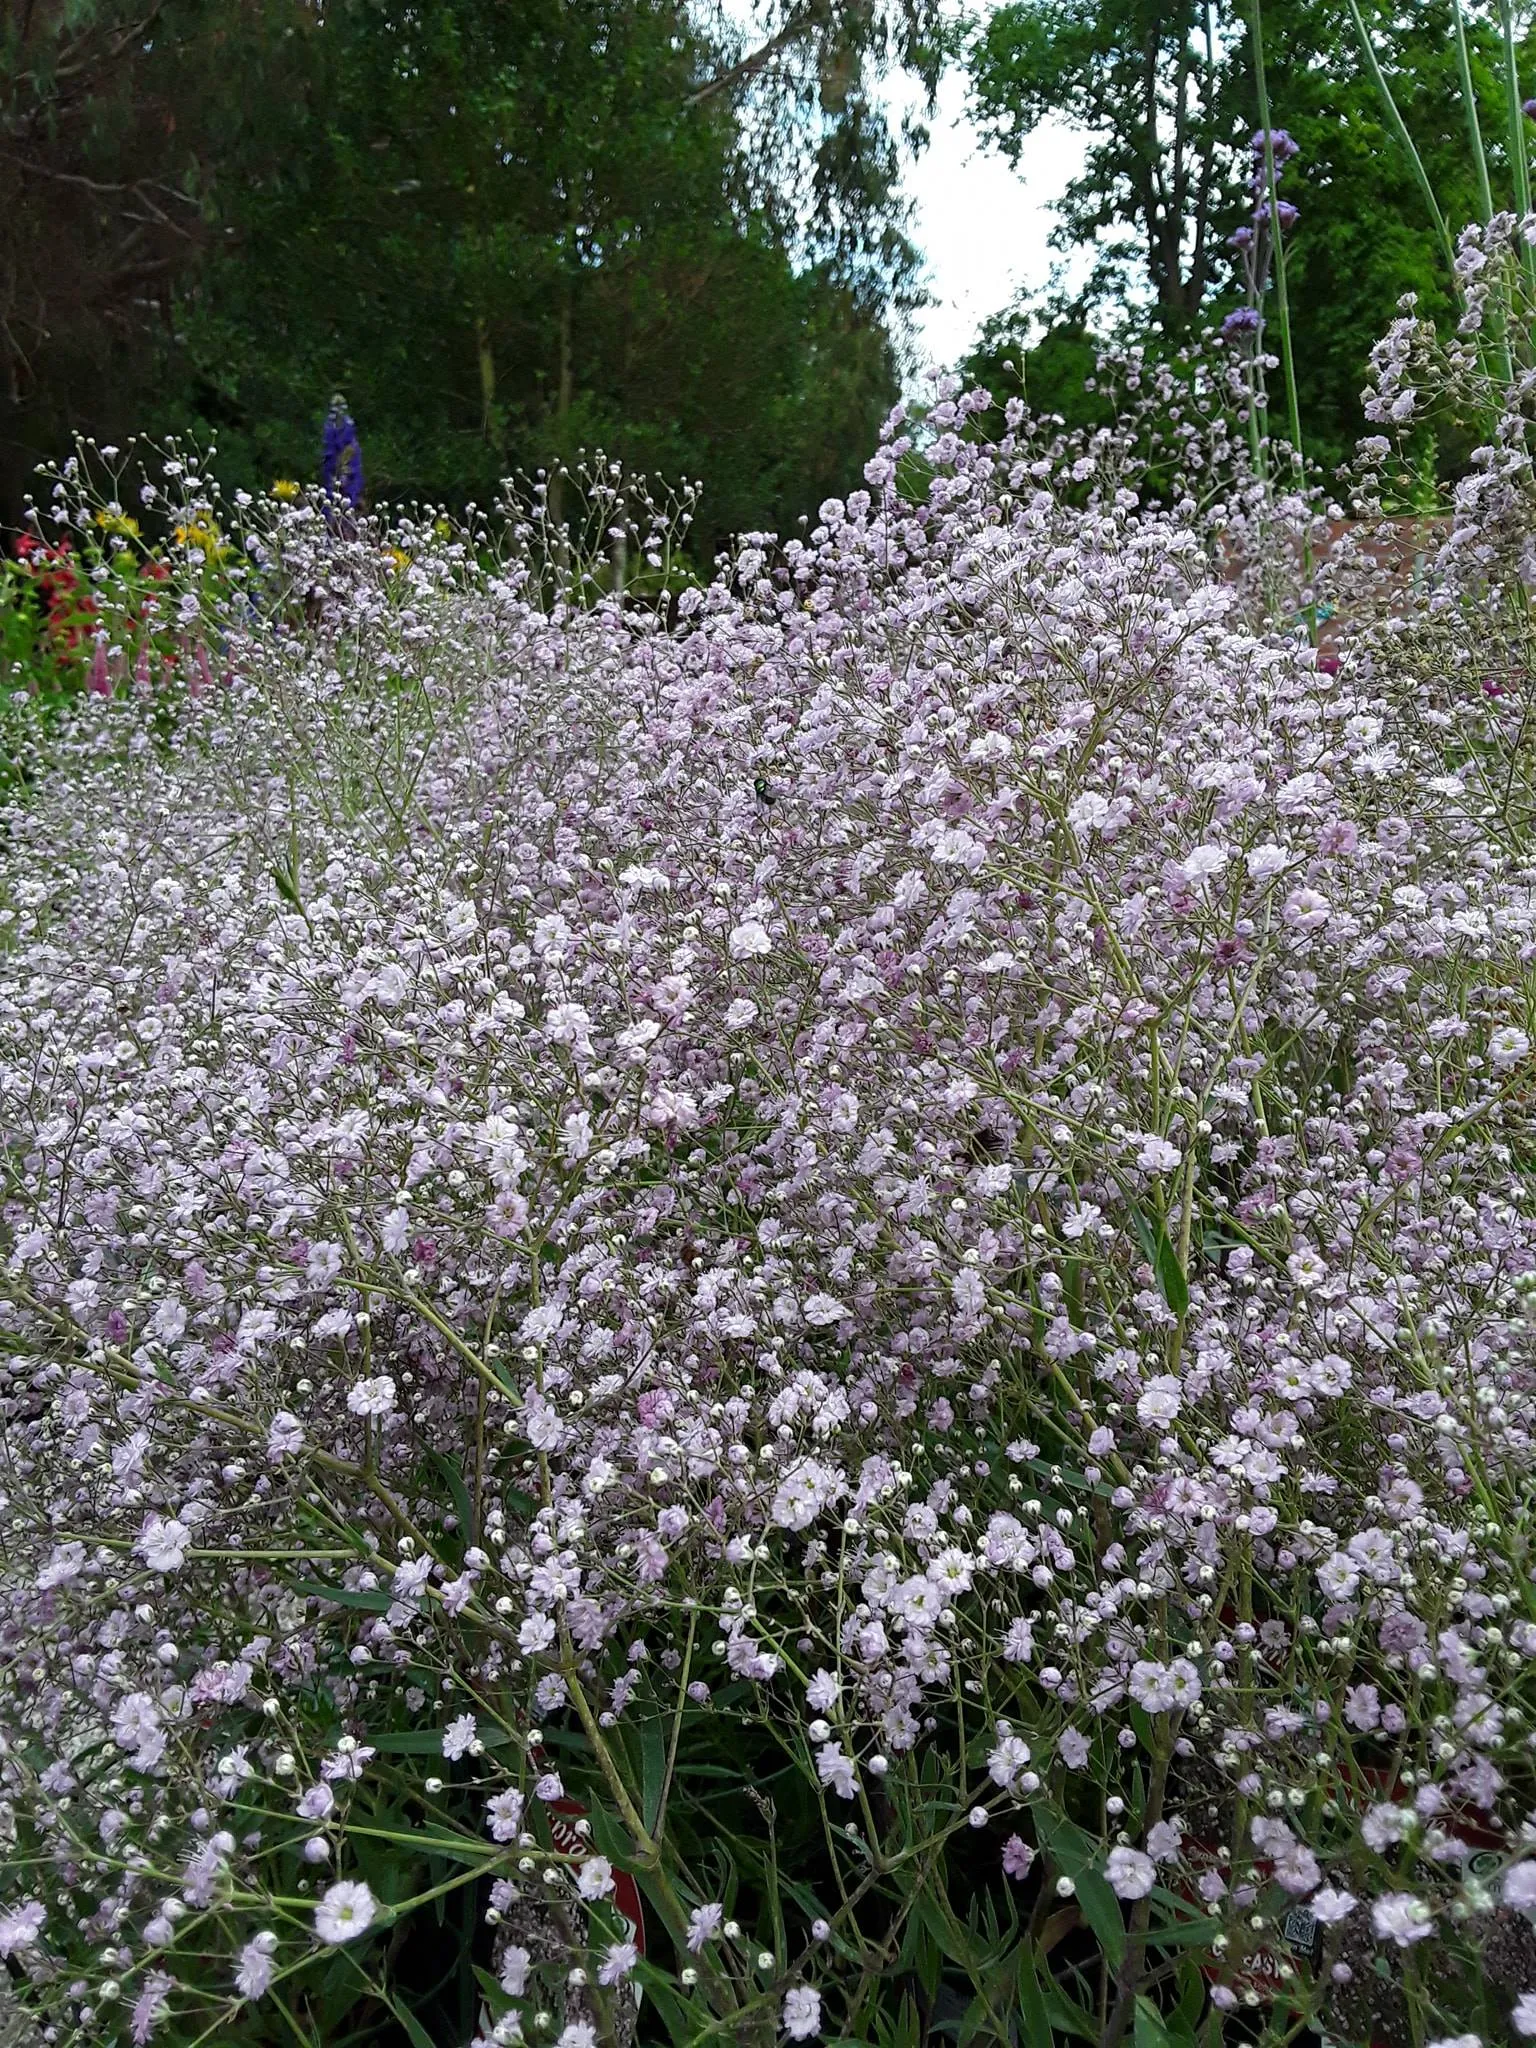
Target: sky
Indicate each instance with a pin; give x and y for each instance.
(981, 224)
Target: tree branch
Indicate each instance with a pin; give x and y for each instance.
(797, 26)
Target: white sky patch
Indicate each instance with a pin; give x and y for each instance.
(983, 227)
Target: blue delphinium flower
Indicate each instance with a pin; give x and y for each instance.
(1282, 145)
(341, 456)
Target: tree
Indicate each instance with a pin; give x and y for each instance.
(506, 232)
(511, 233)
(1168, 103)
(825, 164)
(98, 209)
(1151, 82)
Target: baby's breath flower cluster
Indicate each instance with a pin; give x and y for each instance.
(857, 1261)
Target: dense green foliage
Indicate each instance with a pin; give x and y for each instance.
(1167, 94)
(506, 232)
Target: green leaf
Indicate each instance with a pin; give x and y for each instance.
(458, 1492)
(903, 2028)
(1101, 1909)
(415, 2031)
(376, 1601)
(1171, 1277)
(997, 1990)
(680, 2024)
(920, 1952)
(609, 1838)
(1037, 2024)
(419, 2036)
(429, 1741)
(1047, 2009)
(1191, 1996)
(490, 1986)
(653, 1771)
(1161, 2030)
(1186, 1926)
(1150, 2031)
(1077, 1856)
(1157, 1246)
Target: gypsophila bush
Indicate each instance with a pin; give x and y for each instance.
(880, 1230)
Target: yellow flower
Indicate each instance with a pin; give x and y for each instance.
(398, 558)
(202, 534)
(118, 523)
(285, 488)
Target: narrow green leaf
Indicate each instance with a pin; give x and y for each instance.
(653, 1771)
(1150, 2031)
(1191, 1996)
(1157, 1247)
(419, 2036)
(609, 1838)
(681, 2026)
(453, 1478)
(1068, 2017)
(996, 1994)
(429, 1741)
(1037, 2024)
(1101, 1909)
(490, 1986)
(376, 1601)
(1171, 1279)
(1077, 1856)
(464, 1850)
(1146, 1234)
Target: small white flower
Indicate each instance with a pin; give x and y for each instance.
(1199, 867)
(372, 1397)
(459, 1737)
(989, 746)
(1402, 1918)
(254, 1971)
(1088, 812)
(1508, 1046)
(1306, 1268)
(749, 940)
(618, 1961)
(346, 1911)
(801, 2016)
(285, 1436)
(1160, 1399)
(822, 1310)
(594, 1878)
(1131, 1874)
(1154, 1154)
(1329, 1906)
(1008, 1761)
(20, 1927)
(1306, 910)
(1266, 861)
(163, 1543)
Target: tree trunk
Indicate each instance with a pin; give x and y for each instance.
(564, 391)
(489, 426)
